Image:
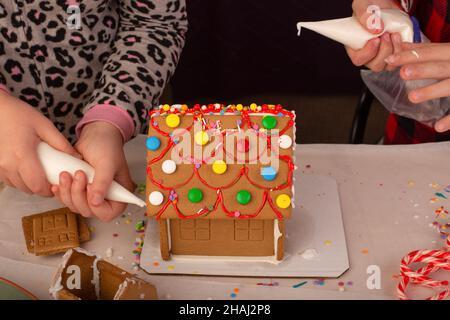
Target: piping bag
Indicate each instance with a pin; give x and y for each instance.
(54, 162)
(387, 86)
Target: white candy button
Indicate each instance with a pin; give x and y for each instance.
(169, 166)
(285, 141)
(156, 198)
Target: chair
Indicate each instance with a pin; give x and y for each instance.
(361, 116)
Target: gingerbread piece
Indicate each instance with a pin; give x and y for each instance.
(135, 289)
(85, 276)
(56, 231)
(231, 189)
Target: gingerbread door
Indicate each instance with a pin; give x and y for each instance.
(240, 237)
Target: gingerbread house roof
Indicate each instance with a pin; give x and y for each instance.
(174, 130)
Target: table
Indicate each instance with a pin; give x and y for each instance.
(389, 195)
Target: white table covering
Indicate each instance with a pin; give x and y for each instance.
(388, 198)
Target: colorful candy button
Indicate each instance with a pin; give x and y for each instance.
(156, 198)
(243, 145)
(201, 138)
(173, 120)
(169, 166)
(195, 195)
(269, 122)
(243, 197)
(153, 143)
(283, 201)
(268, 173)
(219, 167)
(285, 141)
(166, 107)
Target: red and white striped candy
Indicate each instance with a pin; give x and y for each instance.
(434, 260)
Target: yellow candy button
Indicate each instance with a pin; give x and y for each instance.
(219, 167)
(253, 106)
(166, 107)
(173, 120)
(201, 138)
(239, 107)
(283, 201)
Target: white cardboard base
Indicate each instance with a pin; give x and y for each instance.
(316, 223)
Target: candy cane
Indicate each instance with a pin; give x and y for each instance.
(434, 260)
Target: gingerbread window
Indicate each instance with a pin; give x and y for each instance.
(249, 230)
(195, 229)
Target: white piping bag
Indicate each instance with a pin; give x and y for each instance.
(54, 162)
(351, 33)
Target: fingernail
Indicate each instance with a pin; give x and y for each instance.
(391, 59)
(54, 189)
(408, 72)
(415, 96)
(440, 127)
(97, 199)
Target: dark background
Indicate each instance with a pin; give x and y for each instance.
(243, 51)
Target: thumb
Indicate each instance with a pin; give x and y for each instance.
(369, 16)
(103, 178)
(48, 133)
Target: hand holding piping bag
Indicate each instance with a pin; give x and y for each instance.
(375, 52)
(420, 61)
(101, 145)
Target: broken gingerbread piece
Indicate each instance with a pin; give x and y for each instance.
(135, 289)
(85, 276)
(54, 231)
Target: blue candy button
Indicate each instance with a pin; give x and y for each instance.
(268, 173)
(153, 143)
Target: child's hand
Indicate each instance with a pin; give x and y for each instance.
(378, 49)
(21, 129)
(101, 145)
(426, 61)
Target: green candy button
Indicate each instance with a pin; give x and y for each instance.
(269, 122)
(243, 197)
(195, 195)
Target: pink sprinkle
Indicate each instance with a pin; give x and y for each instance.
(237, 214)
(15, 71)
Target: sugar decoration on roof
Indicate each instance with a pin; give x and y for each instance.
(209, 129)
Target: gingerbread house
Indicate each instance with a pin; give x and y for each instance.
(220, 179)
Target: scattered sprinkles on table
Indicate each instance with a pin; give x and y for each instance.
(300, 284)
(319, 282)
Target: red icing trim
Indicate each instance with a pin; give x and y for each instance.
(245, 116)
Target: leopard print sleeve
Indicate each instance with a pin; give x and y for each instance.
(143, 57)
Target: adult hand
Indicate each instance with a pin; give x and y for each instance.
(376, 50)
(426, 61)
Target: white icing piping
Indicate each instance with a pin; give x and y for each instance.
(266, 259)
(122, 287)
(276, 236)
(96, 277)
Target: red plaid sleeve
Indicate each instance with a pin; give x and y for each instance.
(434, 17)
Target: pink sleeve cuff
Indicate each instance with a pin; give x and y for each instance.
(114, 115)
(4, 88)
